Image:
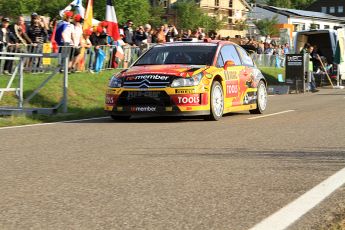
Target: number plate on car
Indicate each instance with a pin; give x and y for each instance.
(151, 94)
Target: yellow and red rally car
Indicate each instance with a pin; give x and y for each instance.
(187, 79)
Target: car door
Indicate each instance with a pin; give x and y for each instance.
(247, 91)
(227, 54)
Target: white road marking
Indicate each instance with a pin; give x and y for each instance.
(269, 115)
(287, 215)
(53, 123)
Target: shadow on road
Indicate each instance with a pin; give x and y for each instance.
(156, 119)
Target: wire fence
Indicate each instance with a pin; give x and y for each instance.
(83, 59)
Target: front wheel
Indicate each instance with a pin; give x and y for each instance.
(216, 101)
(261, 100)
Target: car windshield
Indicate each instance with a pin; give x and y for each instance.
(179, 54)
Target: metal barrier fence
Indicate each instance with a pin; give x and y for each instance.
(85, 59)
(18, 87)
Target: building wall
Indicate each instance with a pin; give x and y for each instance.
(304, 23)
(230, 15)
(237, 12)
(325, 7)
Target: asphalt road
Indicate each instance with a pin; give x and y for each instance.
(163, 173)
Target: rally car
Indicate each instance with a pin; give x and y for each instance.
(188, 79)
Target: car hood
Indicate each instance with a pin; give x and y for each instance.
(170, 70)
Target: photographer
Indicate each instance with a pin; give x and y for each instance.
(171, 33)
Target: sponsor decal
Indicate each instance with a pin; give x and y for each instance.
(232, 89)
(249, 98)
(110, 99)
(190, 99)
(184, 91)
(231, 75)
(148, 77)
(143, 109)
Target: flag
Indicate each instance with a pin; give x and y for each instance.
(110, 17)
(99, 60)
(88, 16)
(339, 52)
(119, 52)
(53, 41)
(76, 5)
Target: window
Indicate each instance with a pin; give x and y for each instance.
(299, 27)
(230, 4)
(324, 9)
(229, 53)
(220, 62)
(163, 3)
(314, 26)
(246, 59)
(332, 10)
(326, 26)
(216, 2)
(184, 54)
(340, 9)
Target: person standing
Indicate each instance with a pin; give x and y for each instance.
(76, 37)
(19, 32)
(98, 39)
(38, 34)
(308, 50)
(129, 42)
(7, 42)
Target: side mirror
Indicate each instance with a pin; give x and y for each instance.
(229, 64)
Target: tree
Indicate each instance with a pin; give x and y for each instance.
(280, 3)
(295, 4)
(240, 25)
(267, 26)
(190, 16)
(136, 10)
(156, 18)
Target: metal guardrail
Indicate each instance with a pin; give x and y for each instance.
(86, 58)
(21, 59)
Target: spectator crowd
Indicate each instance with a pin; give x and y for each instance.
(68, 35)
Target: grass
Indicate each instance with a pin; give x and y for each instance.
(85, 97)
(271, 74)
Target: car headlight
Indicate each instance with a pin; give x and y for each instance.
(189, 81)
(115, 82)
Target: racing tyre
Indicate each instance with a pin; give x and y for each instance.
(120, 118)
(261, 100)
(216, 101)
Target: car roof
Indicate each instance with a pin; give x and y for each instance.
(197, 43)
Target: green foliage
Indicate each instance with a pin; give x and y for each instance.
(267, 26)
(136, 10)
(86, 94)
(157, 14)
(190, 16)
(271, 74)
(241, 25)
(295, 4)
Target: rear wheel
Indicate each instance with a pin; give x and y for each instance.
(261, 100)
(120, 118)
(216, 101)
